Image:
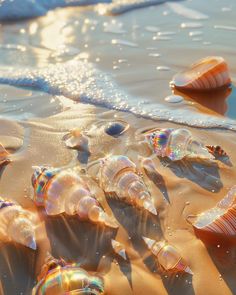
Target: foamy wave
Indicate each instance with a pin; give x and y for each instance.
(19, 9)
(81, 81)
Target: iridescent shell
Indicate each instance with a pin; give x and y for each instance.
(219, 220)
(118, 174)
(167, 256)
(16, 224)
(176, 144)
(206, 74)
(60, 191)
(59, 277)
(4, 156)
(119, 249)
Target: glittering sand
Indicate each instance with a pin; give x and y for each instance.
(34, 121)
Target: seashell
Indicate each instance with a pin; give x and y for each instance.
(216, 151)
(208, 73)
(118, 174)
(60, 191)
(60, 277)
(176, 144)
(4, 156)
(219, 220)
(101, 132)
(16, 224)
(119, 249)
(167, 256)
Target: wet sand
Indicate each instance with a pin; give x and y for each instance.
(33, 124)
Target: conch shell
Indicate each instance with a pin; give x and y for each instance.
(209, 73)
(167, 256)
(219, 220)
(118, 174)
(60, 191)
(16, 224)
(60, 277)
(176, 144)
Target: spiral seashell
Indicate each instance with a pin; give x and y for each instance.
(167, 256)
(209, 73)
(60, 191)
(216, 151)
(4, 156)
(176, 144)
(16, 224)
(60, 277)
(219, 220)
(118, 174)
(119, 249)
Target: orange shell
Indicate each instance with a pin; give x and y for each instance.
(209, 73)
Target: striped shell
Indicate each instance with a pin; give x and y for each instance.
(60, 191)
(219, 220)
(16, 224)
(118, 174)
(176, 144)
(59, 277)
(167, 256)
(208, 73)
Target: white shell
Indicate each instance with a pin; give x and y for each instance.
(60, 191)
(118, 174)
(16, 224)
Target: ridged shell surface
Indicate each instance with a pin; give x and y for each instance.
(209, 73)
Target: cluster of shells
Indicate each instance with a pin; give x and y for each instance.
(66, 191)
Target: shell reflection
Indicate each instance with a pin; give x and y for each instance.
(167, 256)
(60, 191)
(59, 277)
(16, 224)
(118, 174)
(176, 144)
(206, 74)
(219, 220)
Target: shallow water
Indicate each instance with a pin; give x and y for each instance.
(79, 69)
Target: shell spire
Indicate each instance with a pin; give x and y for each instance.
(4, 156)
(209, 73)
(119, 249)
(118, 174)
(167, 256)
(16, 224)
(60, 191)
(59, 277)
(219, 220)
(176, 144)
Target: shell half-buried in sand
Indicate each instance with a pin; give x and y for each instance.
(219, 220)
(16, 224)
(167, 256)
(4, 156)
(60, 277)
(209, 73)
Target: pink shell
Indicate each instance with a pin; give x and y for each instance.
(219, 222)
(208, 73)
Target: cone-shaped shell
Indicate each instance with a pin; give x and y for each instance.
(219, 220)
(16, 224)
(60, 191)
(119, 249)
(209, 73)
(176, 144)
(117, 174)
(59, 277)
(167, 256)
